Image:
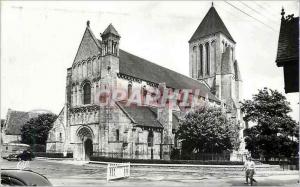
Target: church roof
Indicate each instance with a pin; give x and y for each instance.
(141, 115)
(16, 120)
(143, 69)
(146, 116)
(111, 29)
(211, 24)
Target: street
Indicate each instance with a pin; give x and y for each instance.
(66, 173)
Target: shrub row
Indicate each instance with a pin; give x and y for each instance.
(52, 155)
(146, 161)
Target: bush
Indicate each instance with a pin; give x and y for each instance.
(154, 161)
(52, 155)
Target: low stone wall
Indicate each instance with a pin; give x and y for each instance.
(155, 161)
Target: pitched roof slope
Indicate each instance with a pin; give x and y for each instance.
(142, 115)
(88, 47)
(140, 68)
(211, 24)
(16, 120)
(175, 118)
(111, 29)
(288, 44)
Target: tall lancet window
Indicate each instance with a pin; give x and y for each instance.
(194, 61)
(201, 61)
(87, 93)
(150, 139)
(207, 58)
(129, 90)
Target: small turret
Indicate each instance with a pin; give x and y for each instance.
(110, 39)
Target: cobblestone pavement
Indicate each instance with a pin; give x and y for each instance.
(66, 173)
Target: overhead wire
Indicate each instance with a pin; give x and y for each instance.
(237, 8)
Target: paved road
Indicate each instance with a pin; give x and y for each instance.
(70, 173)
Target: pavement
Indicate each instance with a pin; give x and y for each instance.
(74, 173)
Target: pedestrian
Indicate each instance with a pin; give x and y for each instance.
(249, 167)
(246, 170)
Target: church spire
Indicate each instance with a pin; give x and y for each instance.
(282, 13)
(211, 24)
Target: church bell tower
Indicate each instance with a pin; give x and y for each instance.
(212, 61)
(212, 58)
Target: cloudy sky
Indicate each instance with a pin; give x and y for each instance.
(39, 41)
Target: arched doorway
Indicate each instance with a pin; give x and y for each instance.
(88, 148)
(85, 134)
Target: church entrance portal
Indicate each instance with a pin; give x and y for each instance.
(88, 148)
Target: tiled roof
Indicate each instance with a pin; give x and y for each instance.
(111, 29)
(140, 68)
(16, 120)
(175, 119)
(146, 116)
(211, 24)
(142, 115)
(288, 44)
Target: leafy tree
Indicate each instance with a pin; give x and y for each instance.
(276, 133)
(35, 131)
(208, 130)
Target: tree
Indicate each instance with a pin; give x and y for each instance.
(208, 130)
(275, 134)
(35, 131)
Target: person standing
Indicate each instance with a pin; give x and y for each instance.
(249, 167)
(246, 166)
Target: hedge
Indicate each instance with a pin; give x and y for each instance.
(155, 161)
(52, 155)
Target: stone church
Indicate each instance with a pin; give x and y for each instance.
(142, 131)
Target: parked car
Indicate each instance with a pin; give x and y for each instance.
(12, 148)
(15, 177)
(25, 155)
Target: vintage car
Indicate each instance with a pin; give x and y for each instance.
(12, 148)
(25, 155)
(16, 177)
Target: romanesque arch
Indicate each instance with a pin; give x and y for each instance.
(86, 87)
(86, 135)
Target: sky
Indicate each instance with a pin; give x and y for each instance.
(39, 41)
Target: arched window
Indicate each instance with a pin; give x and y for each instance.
(207, 58)
(87, 93)
(113, 47)
(150, 139)
(201, 61)
(117, 135)
(143, 93)
(129, 90)
(194, 61)
(223, 46)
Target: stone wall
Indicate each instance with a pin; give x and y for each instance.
(57, 135)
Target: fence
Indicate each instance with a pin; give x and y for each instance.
(118, 170)
(175, 155)
(206, 156)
